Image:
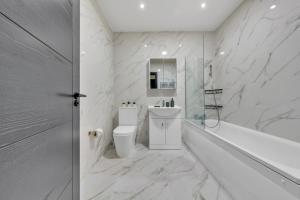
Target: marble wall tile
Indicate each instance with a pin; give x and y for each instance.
(96, 80)
(260, 69)
(130, 65)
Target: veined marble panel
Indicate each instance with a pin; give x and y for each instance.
(96, 80)
(260, 70)
(152, 174)
(131, 54)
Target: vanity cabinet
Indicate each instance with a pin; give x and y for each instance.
(157, 131)
(164, 133)
(173, 132)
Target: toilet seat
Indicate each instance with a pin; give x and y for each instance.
(124, 130)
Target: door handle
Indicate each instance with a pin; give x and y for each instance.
(76, 97)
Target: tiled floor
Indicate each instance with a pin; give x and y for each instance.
(151, 175)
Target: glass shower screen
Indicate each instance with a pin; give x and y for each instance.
(194, 89)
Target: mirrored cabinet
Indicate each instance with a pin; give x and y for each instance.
(162, 73)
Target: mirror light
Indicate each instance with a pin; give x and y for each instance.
(203, 5)
(222, 53)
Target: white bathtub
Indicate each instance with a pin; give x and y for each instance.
(250, 164)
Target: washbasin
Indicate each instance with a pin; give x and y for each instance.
(164, 111)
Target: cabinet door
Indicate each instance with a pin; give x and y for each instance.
(173, 131)
(157, 131)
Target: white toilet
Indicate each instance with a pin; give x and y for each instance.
(124, 134)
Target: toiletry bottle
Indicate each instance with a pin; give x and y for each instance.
(128, 103)
(172, 102)
(163, 103)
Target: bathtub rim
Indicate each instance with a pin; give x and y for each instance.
(286, 175)
(269, 174)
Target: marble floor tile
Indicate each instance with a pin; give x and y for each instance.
(151, 175)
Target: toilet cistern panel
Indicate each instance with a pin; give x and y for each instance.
(127, 116)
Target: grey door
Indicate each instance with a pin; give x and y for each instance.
(38, 122)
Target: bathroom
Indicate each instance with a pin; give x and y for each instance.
(150, 99)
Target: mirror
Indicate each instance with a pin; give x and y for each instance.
(162, 73)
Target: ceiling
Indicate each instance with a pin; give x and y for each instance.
(166, 15)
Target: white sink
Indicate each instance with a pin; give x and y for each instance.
(164, 111)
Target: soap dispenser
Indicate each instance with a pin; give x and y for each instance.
(172, 102)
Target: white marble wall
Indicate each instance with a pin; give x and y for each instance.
(130, 65)
(260, 71)
(96, 80)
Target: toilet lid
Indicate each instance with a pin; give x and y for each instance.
(124, 130)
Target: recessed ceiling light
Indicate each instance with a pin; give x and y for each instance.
(142, 6)
(180, 45)
(164, 53)
(272, 7)
(145, 45)
(222, 53)
(203, 5)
